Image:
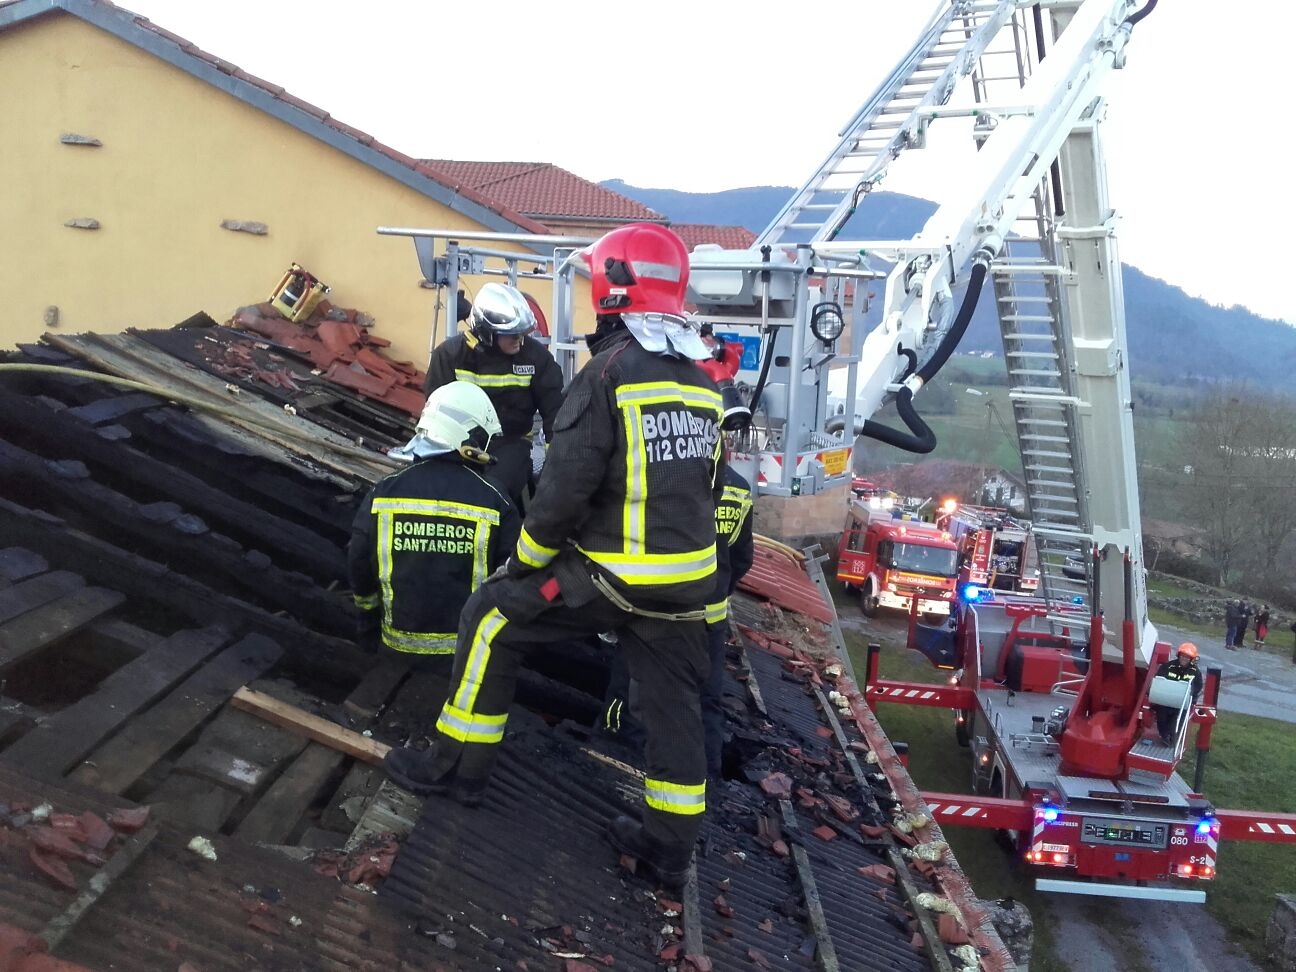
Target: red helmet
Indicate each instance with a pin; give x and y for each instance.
(641, 268)
(1187, 648)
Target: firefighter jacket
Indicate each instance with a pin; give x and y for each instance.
(1182, 673)
(519, 385)
(422, 541)
(735, 548)
(633, 476)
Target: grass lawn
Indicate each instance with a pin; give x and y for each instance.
(1252, 765)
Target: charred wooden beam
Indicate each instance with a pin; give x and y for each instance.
(170, 593)
(57, 435)
(163, 530)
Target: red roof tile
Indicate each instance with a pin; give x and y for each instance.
(541, 190)
(729, 237)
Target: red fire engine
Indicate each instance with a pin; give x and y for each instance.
(996, 549)
(890, 557)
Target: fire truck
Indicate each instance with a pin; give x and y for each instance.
(1003, 102)
(893, 558)
(996, 549)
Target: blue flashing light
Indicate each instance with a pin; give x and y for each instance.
(1205, 826)
(1050, 814)
(972, 593)
(1078, 599)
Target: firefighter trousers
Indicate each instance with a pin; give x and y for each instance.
(505, 618)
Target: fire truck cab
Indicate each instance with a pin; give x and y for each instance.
(890, 556)
(996, 549)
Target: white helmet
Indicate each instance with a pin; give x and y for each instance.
(458, 417)
(500, 309)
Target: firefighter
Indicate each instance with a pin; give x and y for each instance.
(735, 552)
(520, 376)
(1182, 668)
(620, 537)
(439, 525)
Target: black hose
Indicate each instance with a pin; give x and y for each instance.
(920, 438)
(964, 317)
(1055, 170)
(769, 352)
(1138, 15)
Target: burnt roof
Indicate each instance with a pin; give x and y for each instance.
(168, 544)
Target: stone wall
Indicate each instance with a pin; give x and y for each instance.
(801, 520)
(1280, 936)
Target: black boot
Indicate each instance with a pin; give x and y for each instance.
(410, 770)
(670, 868)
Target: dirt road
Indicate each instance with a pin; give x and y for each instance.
(1114, 935)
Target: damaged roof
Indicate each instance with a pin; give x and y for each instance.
(171, 545)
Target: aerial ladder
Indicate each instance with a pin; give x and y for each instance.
(1026, 218)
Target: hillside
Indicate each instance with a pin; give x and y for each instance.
(1172, 337)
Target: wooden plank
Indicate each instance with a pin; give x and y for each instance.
(41, 429)
(37, 591)
(311, 726)
(123, 637)
(14, 714)
(130, 754)
(149, 583)
(37, 630)
(275, 816)
(17, 563)
(186, 543)
(64, 739)
(61, 924)
(110, 409)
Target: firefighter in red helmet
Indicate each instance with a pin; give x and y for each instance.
(1182, 668)
(620, 537)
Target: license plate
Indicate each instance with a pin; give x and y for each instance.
(1057, 848)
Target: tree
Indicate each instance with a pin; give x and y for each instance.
(1272, 479)
(1219, 449)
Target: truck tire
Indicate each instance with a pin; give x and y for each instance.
(868, 600)
(963, 730)
(1008, 839)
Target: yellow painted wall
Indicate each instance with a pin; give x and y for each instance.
(178, 157)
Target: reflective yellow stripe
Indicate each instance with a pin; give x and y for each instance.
(534, 554)
(648, 568)
(612, 717)
(419, 642)
(494, 381)
(470, 728)
(682, 798)
(715, 613)
(387, 508)
(385, 563)
(367, 602)
(422, 507)
(634, 524)
(479, 653)
(669, 392)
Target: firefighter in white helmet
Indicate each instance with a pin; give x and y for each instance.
(517, 372)
(620, 537)
(439, 526)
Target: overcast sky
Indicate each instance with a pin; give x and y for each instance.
(733, 94)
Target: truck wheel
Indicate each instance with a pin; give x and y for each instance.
(868, 600)
(963, 730)
(1008, 839)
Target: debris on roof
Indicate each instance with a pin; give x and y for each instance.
(175, 545)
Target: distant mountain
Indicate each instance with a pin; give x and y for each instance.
(1172, 337)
